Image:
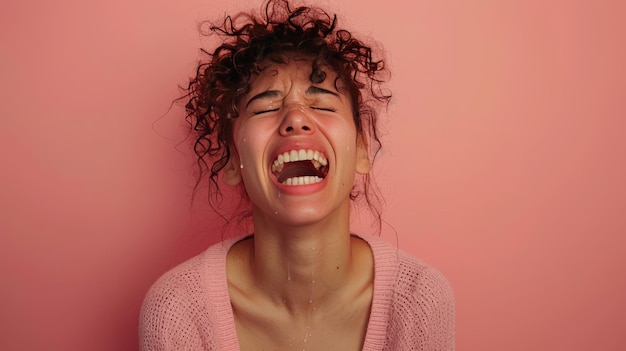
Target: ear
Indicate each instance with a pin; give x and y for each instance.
(363, 165)
(232, 171)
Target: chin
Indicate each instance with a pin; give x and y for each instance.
(300, 216)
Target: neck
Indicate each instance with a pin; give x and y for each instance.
(302, 265)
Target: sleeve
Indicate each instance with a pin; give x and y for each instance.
(439, 311)
(173, 316)
(424, 309)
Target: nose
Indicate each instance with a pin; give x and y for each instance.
(296, 122)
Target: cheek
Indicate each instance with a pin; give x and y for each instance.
(239, 131)
(250, 140)
(343, 133)
(242, 135)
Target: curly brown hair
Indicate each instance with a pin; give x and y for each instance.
(246, 39)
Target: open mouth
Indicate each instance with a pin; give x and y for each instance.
(300, 167)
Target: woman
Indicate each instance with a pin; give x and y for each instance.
(284, 110)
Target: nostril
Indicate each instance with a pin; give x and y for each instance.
(296, 122)
(290, 129)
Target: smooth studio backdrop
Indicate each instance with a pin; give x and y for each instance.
(504, 163)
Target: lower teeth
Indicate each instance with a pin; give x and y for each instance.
(302, 180)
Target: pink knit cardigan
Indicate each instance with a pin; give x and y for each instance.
(189, 308)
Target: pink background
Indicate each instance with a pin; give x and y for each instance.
(504, 168)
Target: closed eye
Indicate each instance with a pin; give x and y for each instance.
(329, 109)
(264, 111)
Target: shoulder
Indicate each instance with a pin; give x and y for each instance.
(412, 278)
(177, 286)
(418, 280)
(423, 305)
(178, 308)
(189, 279)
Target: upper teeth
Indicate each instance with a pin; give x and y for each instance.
(299, 155)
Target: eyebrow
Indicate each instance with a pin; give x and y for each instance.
(312, 90)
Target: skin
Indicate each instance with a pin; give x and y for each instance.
(302, 281)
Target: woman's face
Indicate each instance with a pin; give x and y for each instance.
(296, 145)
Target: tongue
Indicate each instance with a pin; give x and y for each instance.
(298, 169)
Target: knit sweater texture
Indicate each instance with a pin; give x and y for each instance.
(189, 308)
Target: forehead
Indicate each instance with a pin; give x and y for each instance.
(290, 66)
